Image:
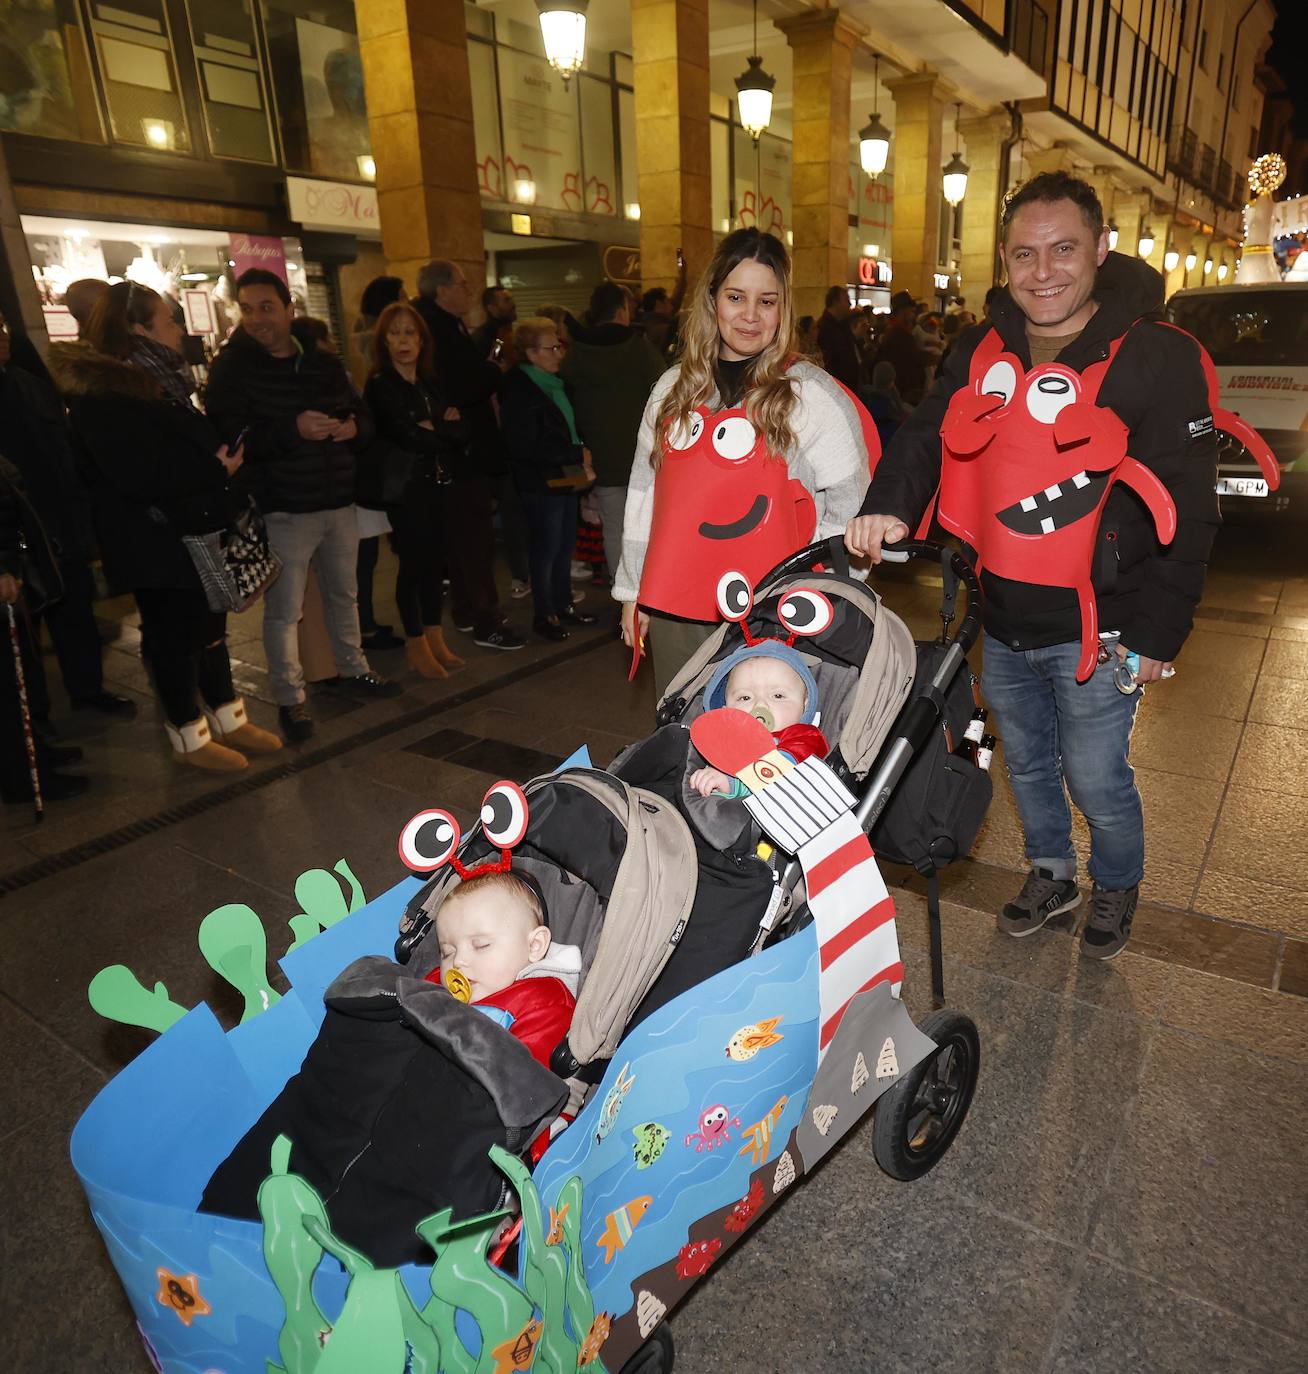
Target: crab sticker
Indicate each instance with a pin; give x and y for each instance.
(694, 1259)
(742, 1213)
(1028, 461)
(721, 502)
(182, 1294)
(713, 1128)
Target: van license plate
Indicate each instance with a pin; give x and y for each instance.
(1242, 486)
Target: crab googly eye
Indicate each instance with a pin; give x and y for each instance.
(682, 435)
(735, 596)
(1048, 395)
(1000, 380)
(805, 612)
(504, 814)
(734, 438)
(428, 840)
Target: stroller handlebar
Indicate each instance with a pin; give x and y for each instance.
(832, 551)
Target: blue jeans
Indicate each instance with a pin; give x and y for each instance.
(552, 530)
(1056, 731)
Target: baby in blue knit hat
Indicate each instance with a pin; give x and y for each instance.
(771, 682)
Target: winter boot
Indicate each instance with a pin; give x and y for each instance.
(440, 651)
(193, 745)
(419, 657)
(230, 724)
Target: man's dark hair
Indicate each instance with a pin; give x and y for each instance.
(804, 323)
(605, 302)
(489, 294)
(1048, 187)
(652, 297)
(834, 293)
(260, 276)
(993, 295)
(378, 294)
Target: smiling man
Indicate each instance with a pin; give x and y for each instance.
(1071, 373)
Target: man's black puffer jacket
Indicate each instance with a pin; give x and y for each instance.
(1156, 386)
(249, 387)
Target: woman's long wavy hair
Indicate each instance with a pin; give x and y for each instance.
(771, 395)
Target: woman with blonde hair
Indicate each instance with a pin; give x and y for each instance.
(746, 453)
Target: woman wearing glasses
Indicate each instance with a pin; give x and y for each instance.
(549, 466)
(155, 471)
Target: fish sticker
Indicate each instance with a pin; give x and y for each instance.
(785, 1174)
(713, 1127)
(860, 1075)
(595, 1337)
(617, 1095)
(887, 1060)
(748, 1040)
(758, 1137)
(651, 1140)
(555, 1236)
(742, 1213)
(619, 1225)
(693, 1260)
(823, 1117)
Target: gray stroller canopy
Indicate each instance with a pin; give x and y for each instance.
(616, 866)
(864, 663)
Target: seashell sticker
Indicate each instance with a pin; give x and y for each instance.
(887, 1063)
(649, 1311)
(785, 1174)
(823, 1117)
(860, 1073)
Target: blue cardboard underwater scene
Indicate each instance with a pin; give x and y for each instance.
(705, 1117)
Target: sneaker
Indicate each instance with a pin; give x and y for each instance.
(1108, 927)
(551, 630)
(368, 686)
(296, 722)
(1041, 899)
(501, 637)
(463, 629)
(518, 589)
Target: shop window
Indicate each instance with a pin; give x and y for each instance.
(231, 82)
(599, 194)
(627, 147)
(542, 144)
(45, 76)
(720, 173)
(135, 49)
(762, 183)
(486, 121)
(317, 78)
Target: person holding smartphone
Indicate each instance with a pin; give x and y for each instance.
(304, 424)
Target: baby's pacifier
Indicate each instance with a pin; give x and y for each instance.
(458, 986)
(763, 716)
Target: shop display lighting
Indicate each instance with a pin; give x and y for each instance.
(524, 191)
(367, 166)
(563, 32)
(633, 209)
(874, 137)
(158, 132)
(954, 177)
(1145, 247)
(754, 91)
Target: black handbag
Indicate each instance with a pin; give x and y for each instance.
(382, 471)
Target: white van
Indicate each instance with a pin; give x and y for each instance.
(1257, 335)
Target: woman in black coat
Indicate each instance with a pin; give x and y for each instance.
(155, 471)
(541, 434)
(414, 418)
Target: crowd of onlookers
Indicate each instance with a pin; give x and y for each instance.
(521, 430)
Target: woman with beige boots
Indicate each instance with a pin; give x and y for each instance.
(155, 471)
(413, 417)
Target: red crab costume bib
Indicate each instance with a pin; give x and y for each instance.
(721, 501)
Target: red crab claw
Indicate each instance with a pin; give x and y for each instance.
(1083, 423)
(961, 432)
(731, 740)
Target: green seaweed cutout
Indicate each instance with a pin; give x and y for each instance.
(233, 944)
(322, 902)
(116, 993)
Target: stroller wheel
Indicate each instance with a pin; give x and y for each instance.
(917, 1120)
(655, 1356)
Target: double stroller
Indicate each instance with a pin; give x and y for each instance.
(738, 1014)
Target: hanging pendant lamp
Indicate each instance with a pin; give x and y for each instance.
(754, 91)
(954, 177)
(563, 32)
(874, 137)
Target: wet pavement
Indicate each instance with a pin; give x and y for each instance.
(1128, 1192)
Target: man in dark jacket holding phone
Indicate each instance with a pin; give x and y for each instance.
(1097, 315)
(302, 423)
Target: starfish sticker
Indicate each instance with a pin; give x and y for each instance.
(182, 1294)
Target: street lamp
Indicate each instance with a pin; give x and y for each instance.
(1190, 259)
(954, 177)
(754, 91)
(1112, 237)
(1222, 270)
(1170, 259)
(874, 137)
(1146, 245)
(563, 32)
(1208, 266)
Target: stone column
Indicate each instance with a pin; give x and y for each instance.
(669, 40)
(823, 45)
(415, 67)
(979, 268)
(917, 160)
